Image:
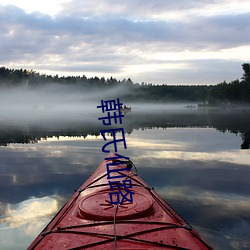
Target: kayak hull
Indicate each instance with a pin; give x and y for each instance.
(89, 220)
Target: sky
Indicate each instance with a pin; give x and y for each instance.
(152, 41)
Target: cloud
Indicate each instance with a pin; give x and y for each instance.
(142, 9)
(94, 38)
(115, 30)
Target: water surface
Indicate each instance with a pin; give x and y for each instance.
(193, 158)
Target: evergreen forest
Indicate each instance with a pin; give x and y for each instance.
(224, 93)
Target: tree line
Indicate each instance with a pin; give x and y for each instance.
(236, 91)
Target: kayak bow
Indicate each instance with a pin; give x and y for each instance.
(89, 220)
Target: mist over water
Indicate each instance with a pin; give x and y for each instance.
(60, 102)
(44, 103)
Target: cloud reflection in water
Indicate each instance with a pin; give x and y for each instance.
(25, 220)
(199, 171)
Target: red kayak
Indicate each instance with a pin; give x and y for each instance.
(92, 218)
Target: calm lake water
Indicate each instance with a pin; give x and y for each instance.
(197, 160)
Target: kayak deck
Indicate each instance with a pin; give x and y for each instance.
(89, 221)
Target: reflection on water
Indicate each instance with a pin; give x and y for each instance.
(193, 160)
(31, 131)
(22, 220)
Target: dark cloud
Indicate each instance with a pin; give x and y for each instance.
(224, 30)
